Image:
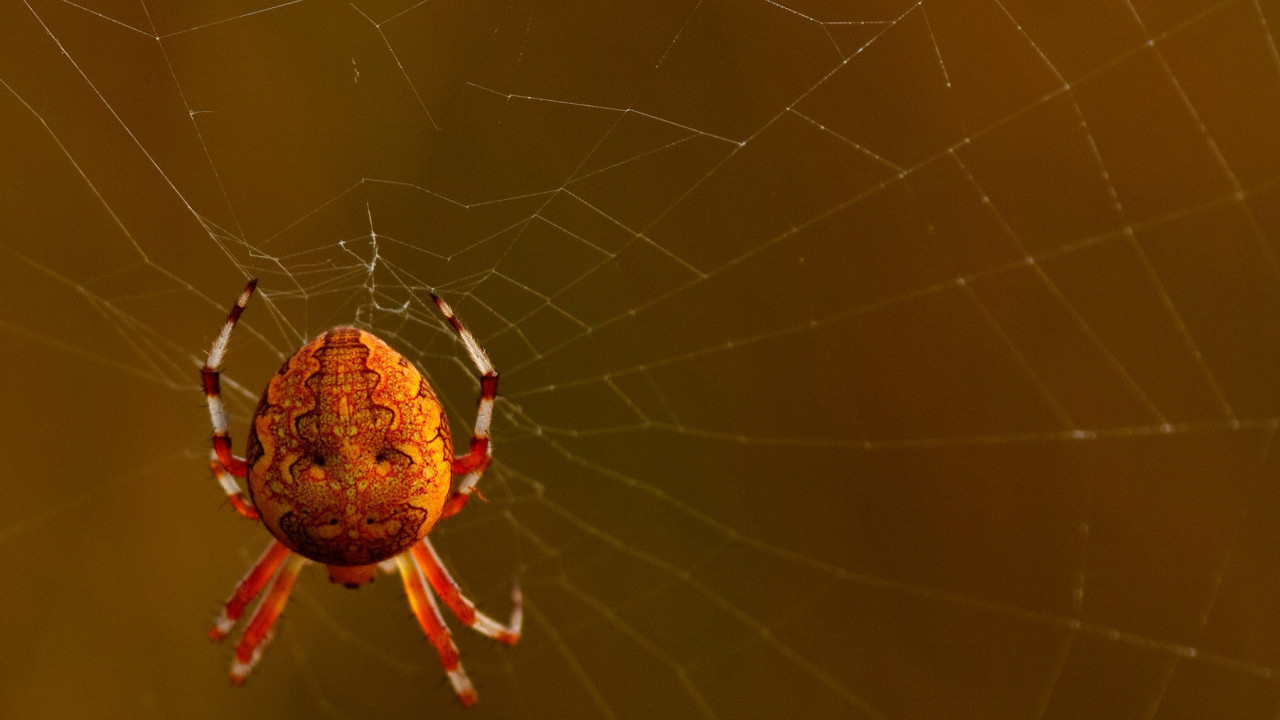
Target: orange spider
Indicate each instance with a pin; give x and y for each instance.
(350, 463)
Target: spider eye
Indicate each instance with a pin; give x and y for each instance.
(333, 521)
(318, 460)
(381, 457)
(369, 521)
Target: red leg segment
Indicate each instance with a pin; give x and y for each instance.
(211, 378)
(472, 465)
(239, 501)
(248, 588)
(428, 614)
(426, 557)
(258, 633)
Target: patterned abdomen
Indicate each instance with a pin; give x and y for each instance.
(349, 451)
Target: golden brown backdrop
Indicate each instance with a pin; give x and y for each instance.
(887, 359)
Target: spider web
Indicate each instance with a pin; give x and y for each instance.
(877, 360)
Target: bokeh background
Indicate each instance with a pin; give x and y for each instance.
(860, 360)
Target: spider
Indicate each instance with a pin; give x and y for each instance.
(349, 463)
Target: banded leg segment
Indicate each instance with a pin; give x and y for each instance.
(239, 501)
(428, 614)
(248, 588)
(211, 376)
(258, 633)
(472, 465)
(447, 588)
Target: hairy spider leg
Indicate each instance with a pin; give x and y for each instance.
(248, 588)
(231, 466)
(428, 614)
(445, 586)
(228, 482)
(472, 465)
(258, 633)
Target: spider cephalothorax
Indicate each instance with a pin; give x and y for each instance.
(350, 463)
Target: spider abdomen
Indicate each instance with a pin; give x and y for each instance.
(349, 454)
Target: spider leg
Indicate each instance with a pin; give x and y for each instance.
(258, 633)
(229, 485)
(428, 614)
(248, 588)
(447, 588)
(211, 376)
(472, 465)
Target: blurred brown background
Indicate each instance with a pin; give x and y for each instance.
(867, 360)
